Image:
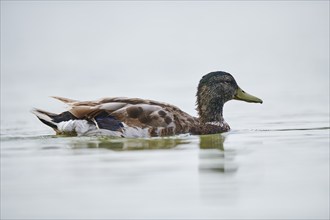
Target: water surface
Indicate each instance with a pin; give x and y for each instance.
(277, 173)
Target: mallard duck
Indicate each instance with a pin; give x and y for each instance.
(135, 117)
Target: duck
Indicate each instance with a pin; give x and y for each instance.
(135, 117)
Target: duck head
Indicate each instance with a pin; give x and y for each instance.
(214, 90)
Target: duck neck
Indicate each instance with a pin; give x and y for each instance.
(212, 112)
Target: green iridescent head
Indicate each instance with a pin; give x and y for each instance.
(214, 90)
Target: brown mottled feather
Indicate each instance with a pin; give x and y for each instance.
(163, 119)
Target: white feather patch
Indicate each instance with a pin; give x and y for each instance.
(85, 128)
(81, 127)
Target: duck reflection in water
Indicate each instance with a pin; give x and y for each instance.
(214, 157)
(118, 144)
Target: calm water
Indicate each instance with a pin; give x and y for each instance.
(273, 164)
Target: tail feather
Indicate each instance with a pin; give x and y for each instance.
(45, 117)
(65, 100)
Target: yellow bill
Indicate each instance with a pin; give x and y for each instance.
(243, 96)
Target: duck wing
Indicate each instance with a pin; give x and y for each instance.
(158, 118)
